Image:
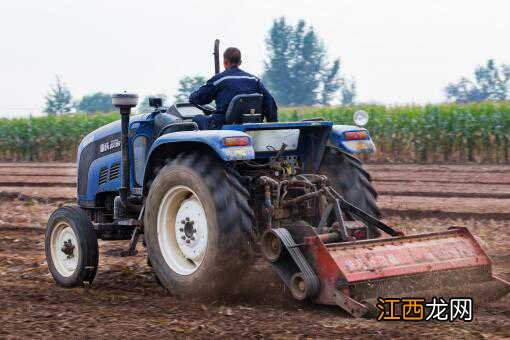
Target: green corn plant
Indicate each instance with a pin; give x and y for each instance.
(409, 133)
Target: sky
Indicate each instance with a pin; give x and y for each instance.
(398, 51)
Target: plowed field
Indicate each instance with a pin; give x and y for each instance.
(125, 301)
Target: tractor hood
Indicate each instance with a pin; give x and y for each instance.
(108, 130)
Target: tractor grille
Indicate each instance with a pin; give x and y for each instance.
(114, 171)
(103, 175)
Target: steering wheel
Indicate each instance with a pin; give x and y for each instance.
(206, 109)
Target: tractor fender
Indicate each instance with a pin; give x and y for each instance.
(210, 141)
(211, 138)
(361, 146)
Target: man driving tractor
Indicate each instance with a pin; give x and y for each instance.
(226, 85)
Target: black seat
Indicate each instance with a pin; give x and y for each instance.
(166, 123)
(176, 127)
(245, 108)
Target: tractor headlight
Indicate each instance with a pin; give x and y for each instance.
(360, 117)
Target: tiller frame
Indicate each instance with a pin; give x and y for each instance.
(332, 264)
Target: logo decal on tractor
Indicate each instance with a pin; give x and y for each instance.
(113, 144)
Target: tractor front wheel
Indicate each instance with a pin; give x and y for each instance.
(71, 247)
(196, 225)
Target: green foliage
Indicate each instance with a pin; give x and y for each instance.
(492, 82)
(434, 133)
(478, 132)
(331, 83)
(187, 85)
(58, 99)
(348, 91)
(47, 138)
(297, 71)
(96, 102)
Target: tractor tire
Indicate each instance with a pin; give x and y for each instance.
(71, 247)
(197, 227)
(347, 176)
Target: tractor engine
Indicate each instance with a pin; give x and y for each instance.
(282, 196)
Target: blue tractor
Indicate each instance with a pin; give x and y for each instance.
(208, 202)
(132, 170)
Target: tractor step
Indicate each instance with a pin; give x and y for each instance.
(118, 230)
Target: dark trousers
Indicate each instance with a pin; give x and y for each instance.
(210, 122)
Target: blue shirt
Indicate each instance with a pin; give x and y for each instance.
(226, 85)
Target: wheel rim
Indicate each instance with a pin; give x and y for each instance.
(65, 250)
(182, 230)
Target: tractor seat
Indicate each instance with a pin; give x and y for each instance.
(245, 108)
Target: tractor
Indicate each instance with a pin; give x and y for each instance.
(208, 202)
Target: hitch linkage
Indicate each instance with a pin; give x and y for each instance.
(336, 204)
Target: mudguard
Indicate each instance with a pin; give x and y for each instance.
(336, 138)
(211, 138)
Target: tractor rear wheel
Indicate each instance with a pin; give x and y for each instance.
(347, 176)
(197, 221)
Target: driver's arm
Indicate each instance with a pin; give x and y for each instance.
(205, 94)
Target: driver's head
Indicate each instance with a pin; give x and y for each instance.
(231, 57)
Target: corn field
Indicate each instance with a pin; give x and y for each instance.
(432, 133)
(51, 138)
(478, 132)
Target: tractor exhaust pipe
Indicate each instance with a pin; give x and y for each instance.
(124, 102)
(216, 56)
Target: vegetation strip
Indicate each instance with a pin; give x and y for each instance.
(477, 132)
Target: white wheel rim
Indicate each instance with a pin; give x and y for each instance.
(65, 250)
(182, 230)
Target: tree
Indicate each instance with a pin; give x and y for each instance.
(331, 83)
(186, 86)
(491, 82)
(143, 106)
(96, 102)
(58, 99)
(296, 69)
(277, 67)
(348, 91)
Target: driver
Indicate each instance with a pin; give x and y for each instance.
(226, 85)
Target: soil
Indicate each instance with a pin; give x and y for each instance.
(126, 302)
(39, 193)
(490, 206)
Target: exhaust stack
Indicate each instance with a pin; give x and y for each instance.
(216, 56)
(124, 102)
